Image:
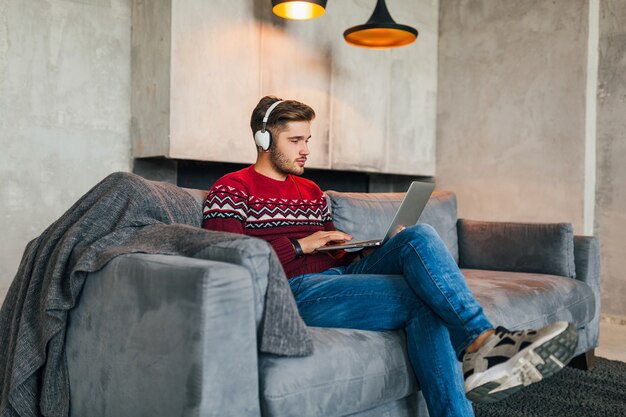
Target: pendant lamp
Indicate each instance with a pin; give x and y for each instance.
(299, 10)
(380, 31)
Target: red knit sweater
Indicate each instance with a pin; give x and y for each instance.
(250, 203)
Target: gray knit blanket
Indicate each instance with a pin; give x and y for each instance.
(124, 213)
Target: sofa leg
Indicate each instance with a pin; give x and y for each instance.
(585, 361)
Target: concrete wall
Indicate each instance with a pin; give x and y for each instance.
(381, 102)
(532, 120)
(64, 111)
(510, 116)
(511, 108)
(611, 174)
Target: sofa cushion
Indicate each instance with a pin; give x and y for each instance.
(349, 371)
(544, 248)
(353, 370)
(367, 215)
(520, 300)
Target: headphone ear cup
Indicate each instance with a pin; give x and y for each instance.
(263, 139)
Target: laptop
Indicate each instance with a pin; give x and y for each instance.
(407, 215)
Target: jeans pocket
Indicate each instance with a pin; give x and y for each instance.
(296, 282)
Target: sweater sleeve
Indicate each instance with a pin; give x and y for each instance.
(284, 249)
(225, 208)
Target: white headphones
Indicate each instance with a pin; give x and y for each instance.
(263, 138)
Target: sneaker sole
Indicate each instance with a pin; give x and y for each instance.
(548, 358)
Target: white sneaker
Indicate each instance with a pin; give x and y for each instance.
(508, 361)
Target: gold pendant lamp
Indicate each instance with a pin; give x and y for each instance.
(380, 31)
(299, 10)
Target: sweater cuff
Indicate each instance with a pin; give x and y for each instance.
(284, 249)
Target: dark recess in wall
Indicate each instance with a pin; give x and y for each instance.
(201, 175)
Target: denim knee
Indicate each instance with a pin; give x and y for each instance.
(420, 231)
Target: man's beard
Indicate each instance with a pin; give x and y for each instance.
(282, 163)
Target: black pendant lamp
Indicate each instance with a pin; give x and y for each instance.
(298, 9)
(380, 31)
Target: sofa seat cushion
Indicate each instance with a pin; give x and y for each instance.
(349, 371)
(519, 300)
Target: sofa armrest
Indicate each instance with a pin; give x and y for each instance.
(159, 335)
(587, 258)
(543, 248)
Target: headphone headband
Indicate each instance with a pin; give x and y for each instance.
(267, 113)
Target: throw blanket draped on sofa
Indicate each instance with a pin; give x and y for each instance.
(122, 214)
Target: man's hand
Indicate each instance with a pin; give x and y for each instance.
(321, 238)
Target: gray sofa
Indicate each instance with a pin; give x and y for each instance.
(159, 335)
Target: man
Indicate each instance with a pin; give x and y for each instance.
(411, 282)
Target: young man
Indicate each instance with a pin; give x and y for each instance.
(411, 282)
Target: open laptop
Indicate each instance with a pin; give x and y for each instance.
(407, 215)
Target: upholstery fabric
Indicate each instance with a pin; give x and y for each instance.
(124, 213)
(412, 405)
(587, 255)
(519, 300)
(161, 336)
(198, 195)
(367, 216)
(353, 370)
(51, 275)
(349, 371)
(210, 309)
(517, 247)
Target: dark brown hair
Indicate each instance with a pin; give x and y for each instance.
(285, 112)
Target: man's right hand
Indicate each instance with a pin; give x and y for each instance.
(321, 238)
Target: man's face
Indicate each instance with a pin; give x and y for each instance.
(290, 149)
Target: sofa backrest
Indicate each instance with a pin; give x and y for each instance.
(199, 195)
(367, 215)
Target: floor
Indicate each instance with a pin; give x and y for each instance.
(612, 341)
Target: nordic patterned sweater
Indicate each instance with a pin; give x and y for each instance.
(250, 203)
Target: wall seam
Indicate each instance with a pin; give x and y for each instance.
(593, 41)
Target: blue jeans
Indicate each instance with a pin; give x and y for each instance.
(412, 283)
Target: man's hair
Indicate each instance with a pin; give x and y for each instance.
(285, 112)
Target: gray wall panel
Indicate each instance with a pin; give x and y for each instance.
(150, 75)
(375, 108)
(611, 193)
(215, 80)
(64, 111)
(511, 118)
